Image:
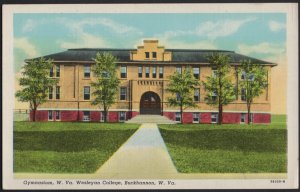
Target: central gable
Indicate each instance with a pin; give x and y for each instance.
(150, 51)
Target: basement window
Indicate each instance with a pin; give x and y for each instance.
(214, 117)
(243, 118)
(122, 116)
(177, 117)
(196, 118)
(86, 116)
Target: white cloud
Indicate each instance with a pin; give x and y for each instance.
(185, 45)
(276, 26)
(27, 47)
(210, 29)
(262, 48)
(221, 28)
(85, 40)
(29, 25)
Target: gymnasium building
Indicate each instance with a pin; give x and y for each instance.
(143, 74)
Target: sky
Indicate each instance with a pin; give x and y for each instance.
(260, 35)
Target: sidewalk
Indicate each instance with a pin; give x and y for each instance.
(144, 155)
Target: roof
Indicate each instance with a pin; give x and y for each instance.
(123, 55)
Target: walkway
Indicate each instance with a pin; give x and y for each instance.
(144, 155)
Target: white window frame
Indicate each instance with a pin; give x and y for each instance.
(123, 70)
(57, 92)
(140, 71)
(161, 72)
(50, 93)
(178, 69)
(123, 93)
(122, 112)
(197, 114)
(243, 95)
(197, 72)
(57, 112)
(89, 93)
(50, 111)
(86, 118)
(177, 115)
(217, 117)
(243, 118)
(197, 89)
(154, 72)
(87, 70)
(57, 70)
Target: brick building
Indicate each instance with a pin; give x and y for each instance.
(143, 74)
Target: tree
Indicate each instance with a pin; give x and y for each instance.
(220, 90)
(105, 87)
(182, 86)
(253, 82)
(35, 83)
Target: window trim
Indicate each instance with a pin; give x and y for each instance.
(51, 72)
(147, 75)
(57, 112)
(140, 71)
(196, 74)
(243, 116)
(161, 72)
(154, 72)
(87, 71)
(50, 93)
(89, 116)
(177, 115)
(217, 117)
(198, 116)
(89, 93)
(50, 111)
(123, 75)
(147, 55)
(198, 96)
(124, 112)
(57, 69)
(243, 95)
(178, 67)
(125, 95)
(57, 92)
(154, 55)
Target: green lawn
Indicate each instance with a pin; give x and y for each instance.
(200, 148)
(65, 147)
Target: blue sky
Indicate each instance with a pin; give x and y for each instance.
(260, 35)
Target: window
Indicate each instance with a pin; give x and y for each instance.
(178, 69)
(147, 72)
(140, 71)
(122, 116)
(86, 116)
(250, 76)
(87, 71)
(243, 76)
(196, 95)
(243, 94)
(161, 72)
(195, 117)
(214, 96)
(243, 117)
(153, 72)
(86, 93)
(105, 74)
(177, 117)
(57, 115)
(177, 96)
(50, 115)
(196, 71)
(214, 117)
(123, 93)
(50, 92)
(123, 72)
(57, 71)
(214, 71)
(154, 55)
(57, 92)
(147, 55)
(51, 72)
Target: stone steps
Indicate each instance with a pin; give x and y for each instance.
(158, 119)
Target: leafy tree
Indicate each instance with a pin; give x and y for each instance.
(253, 82)
(182, 87)
(105, 87)
(35, 83)
(219, 88)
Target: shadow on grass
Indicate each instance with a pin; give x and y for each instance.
(70, 141)
(256, 140)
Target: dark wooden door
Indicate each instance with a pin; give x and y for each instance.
(150, 103)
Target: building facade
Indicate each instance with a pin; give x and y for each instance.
(143, 74)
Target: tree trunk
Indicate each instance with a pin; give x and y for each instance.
(220, 119)
(33, 114)
(181, 114)
(248, 110)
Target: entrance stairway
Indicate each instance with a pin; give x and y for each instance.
(158, 119)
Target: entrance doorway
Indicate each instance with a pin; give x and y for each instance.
(150, 103)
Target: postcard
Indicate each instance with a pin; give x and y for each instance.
(150, 96)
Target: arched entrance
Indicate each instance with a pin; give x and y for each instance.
(150, 103)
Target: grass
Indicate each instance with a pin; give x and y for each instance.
(65, 147)
(200, 148)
